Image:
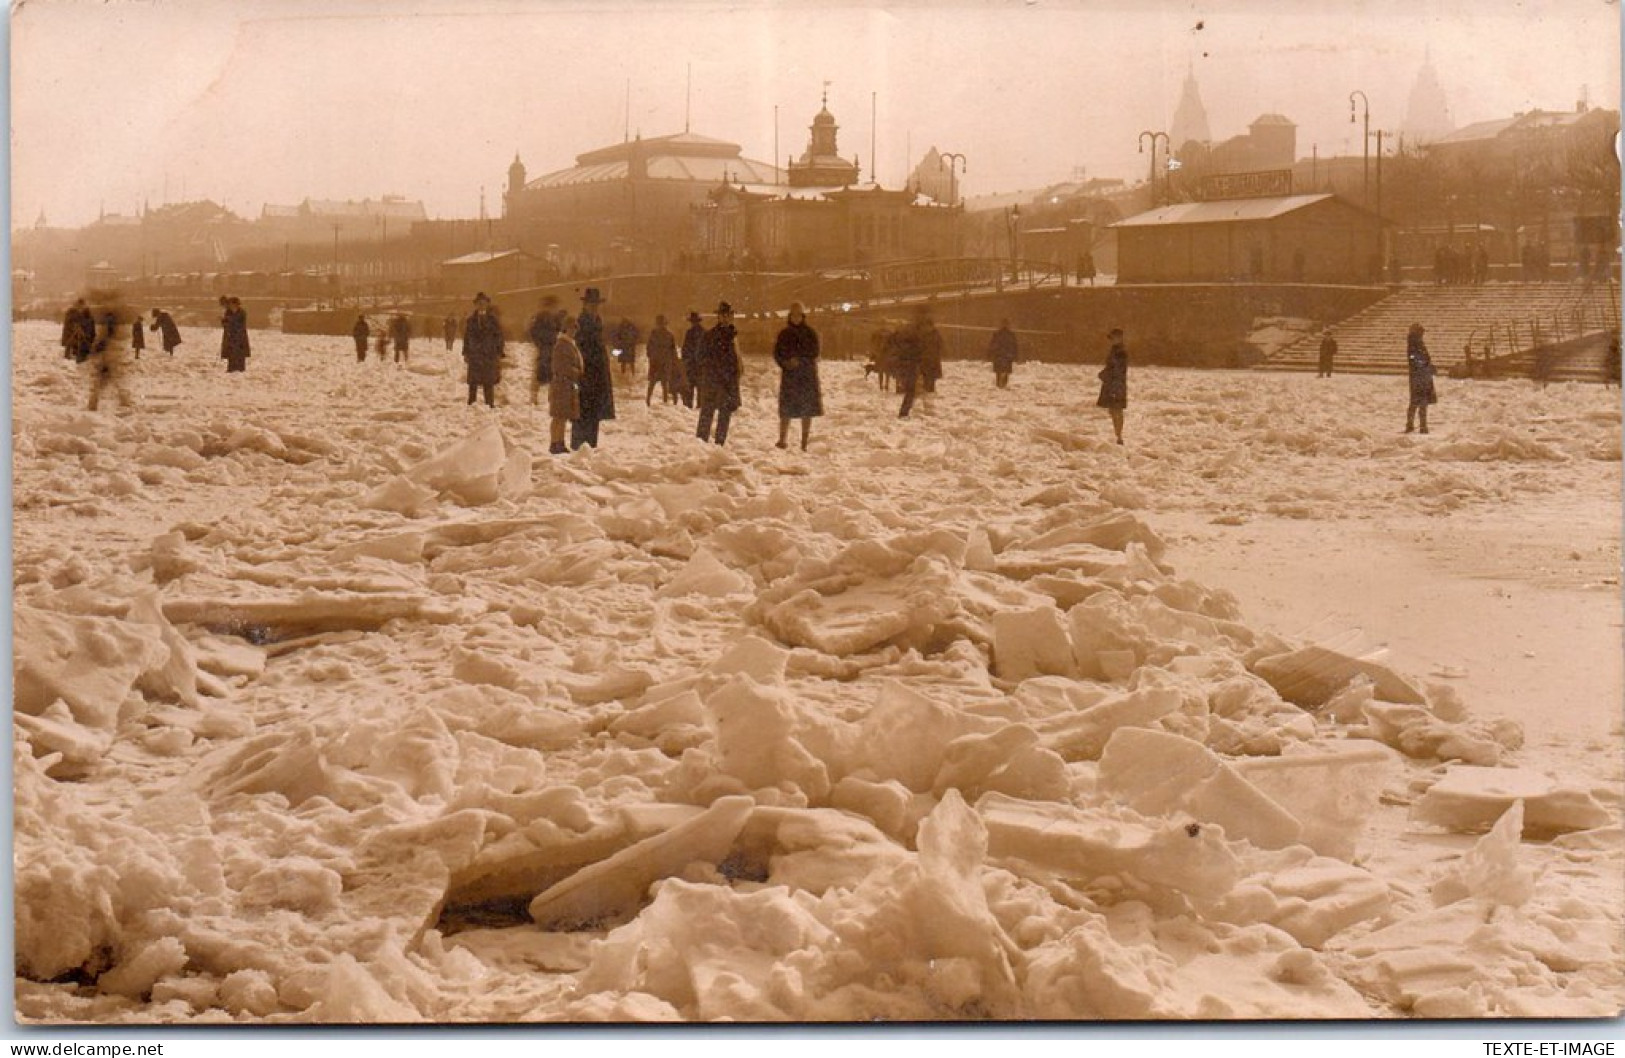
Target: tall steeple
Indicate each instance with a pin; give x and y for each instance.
(821, 164)
(1190, 117)
(1427, 118)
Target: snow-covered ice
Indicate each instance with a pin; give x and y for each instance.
(338, 701)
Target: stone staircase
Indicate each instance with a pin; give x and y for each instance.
(1512, 319)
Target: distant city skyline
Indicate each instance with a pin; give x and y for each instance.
(274, 101)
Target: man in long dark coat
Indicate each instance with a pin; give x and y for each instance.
(165, 323)
(1001, 349)
(1114, 382)
(400, 333)
(662, 350)
(482, 350)
(796, 353)
(1328, 353)
(930, 340)
(717, 378)
(138, 337)
(544, 334)
(690, 357)
(597, 389)
(360, 332)
(450, 331)
(234, 335)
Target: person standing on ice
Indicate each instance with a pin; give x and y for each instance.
(1114, 382)
(1421, 379)
(564, 371)
(107, 363)
(796, 353)
(138, 337)
(543, 331)
(597, 387)
(1002, 351)
(661, 349)
(234, 335)
(688, 360)
(717, 371)
(360, 333)
(482, 350)
(930, 340)
(165, 323)
(400, 332)
(907, 355)
(1328, 353)
(1610, 363)
(78, 332)
(449, 328)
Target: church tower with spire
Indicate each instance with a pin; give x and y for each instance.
(1190, 116)
(1427, 118)
(821, 165)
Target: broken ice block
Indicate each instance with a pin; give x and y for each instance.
(1084, 844)
(1158, 773)
(1031, 643)
(615, 887)
(1470, 799)
(1331, 789)
(1310, 676)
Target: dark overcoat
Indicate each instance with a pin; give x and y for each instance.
(691, 350)
(172, 334)
(718, 369)
(930, 352)
(482, 348)
(796, 352)
(544, 332)
(1002, 349)
(1114, 379)
(234, 339)
(597, 388)
(662, 350)
(360, 333)
(1421, 371)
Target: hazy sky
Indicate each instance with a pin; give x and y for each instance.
(254, 101)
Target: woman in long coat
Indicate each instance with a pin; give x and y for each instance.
(1114, 382)
(482, 350)
(565, 368)
(1421, 379)
(796, 353)
(234, 335)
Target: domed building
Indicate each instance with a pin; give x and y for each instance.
(627, 207)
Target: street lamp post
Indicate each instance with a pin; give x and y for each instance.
(1154, 137)
(953, 185)
(1012, 220)
(1365, 143)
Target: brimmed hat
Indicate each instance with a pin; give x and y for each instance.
(723, 306)
(481, 297)
(591, 296)
(694, 317)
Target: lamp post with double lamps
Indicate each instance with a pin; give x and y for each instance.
(1365, 144)
(1154, 137)
(953, 185)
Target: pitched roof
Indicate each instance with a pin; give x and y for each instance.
(1223, 211)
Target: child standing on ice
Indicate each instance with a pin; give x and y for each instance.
(1114, 382)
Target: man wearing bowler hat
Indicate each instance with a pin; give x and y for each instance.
(717, 376)
(597, 386)
(482, 350)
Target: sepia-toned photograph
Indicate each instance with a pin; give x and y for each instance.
(816, 513)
